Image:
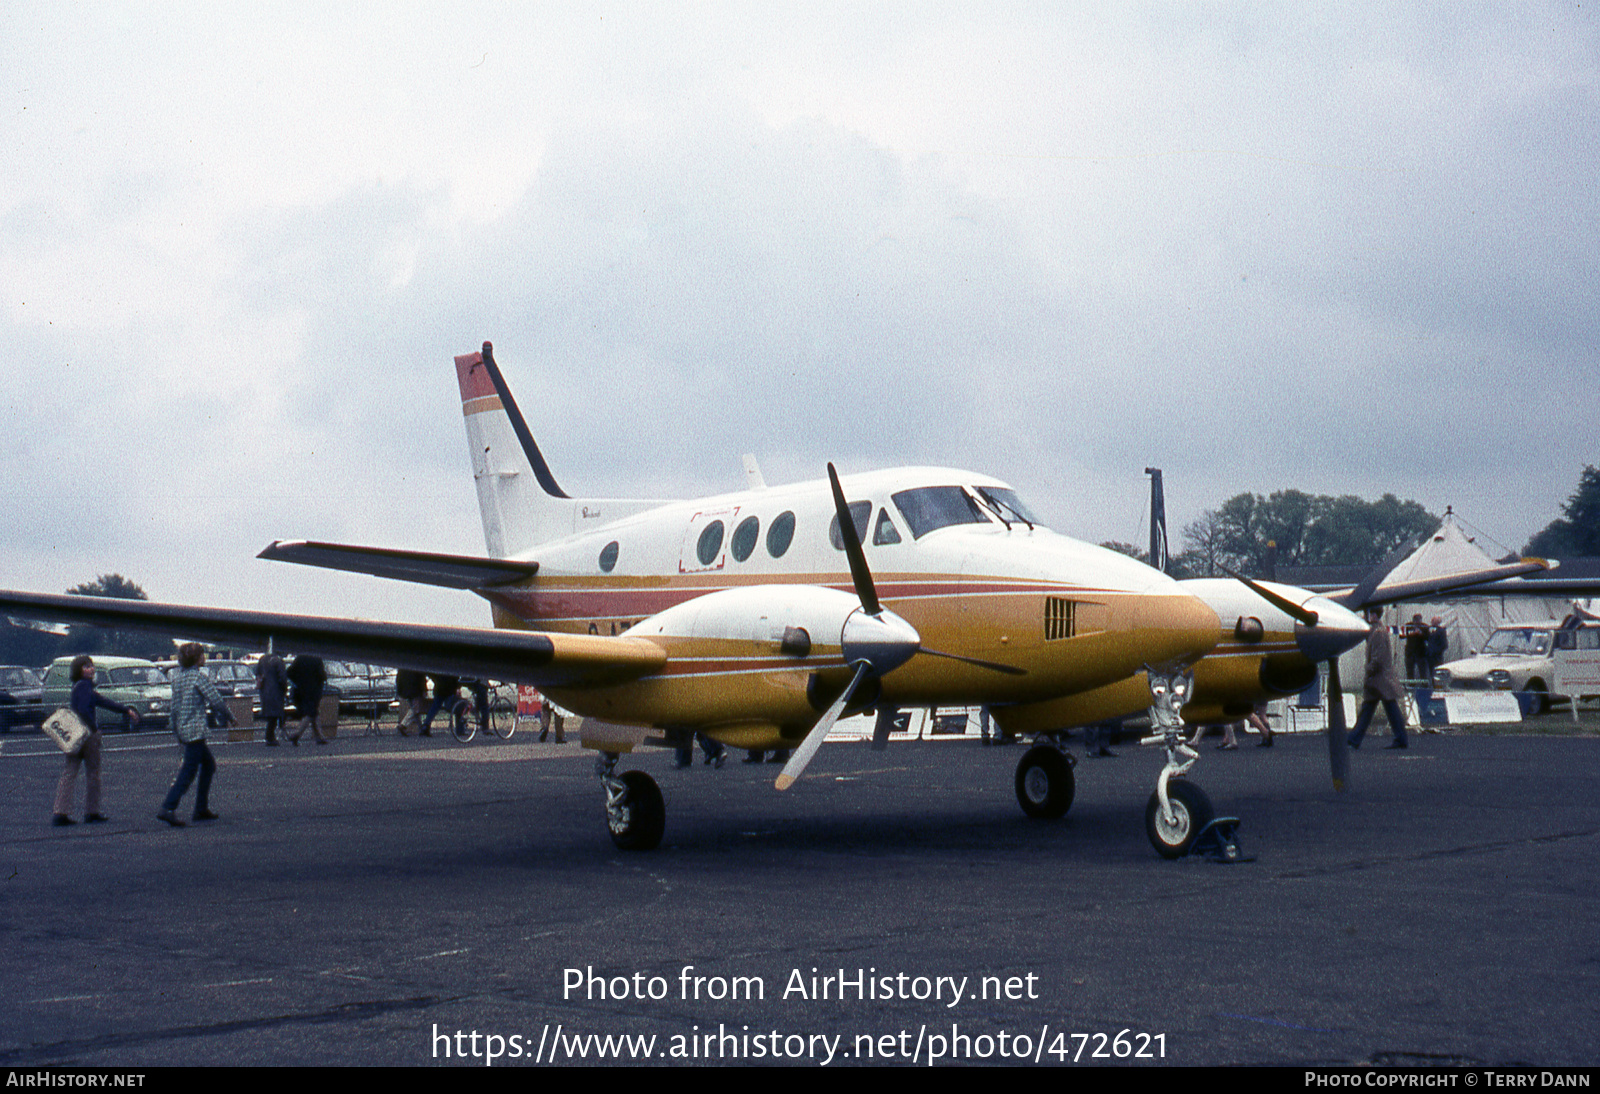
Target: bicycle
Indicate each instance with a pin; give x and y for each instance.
(485, 709)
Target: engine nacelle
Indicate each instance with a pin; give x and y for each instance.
(744, 657)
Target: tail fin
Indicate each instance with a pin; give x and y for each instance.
(521, 503)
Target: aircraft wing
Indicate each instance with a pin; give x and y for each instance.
(530, 657)
(450, 571)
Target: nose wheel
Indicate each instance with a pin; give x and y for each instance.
(1179, 818)
(1174, 830)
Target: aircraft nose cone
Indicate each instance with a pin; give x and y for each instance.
(885, 641)
(1337, 629)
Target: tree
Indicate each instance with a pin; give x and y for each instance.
(88, 638)
(110, 585)
(1308, 530)
(1203, 545)
(1579, 533)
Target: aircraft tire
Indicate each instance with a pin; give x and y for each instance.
(1194, 811)
(643, 815)
(1045, 785)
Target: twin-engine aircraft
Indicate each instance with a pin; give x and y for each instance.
(760, 617)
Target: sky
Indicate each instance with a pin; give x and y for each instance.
(1344, 249)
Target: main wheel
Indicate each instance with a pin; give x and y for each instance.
(1192, 811)
(637, 823)
(1044, 782)
(463, 720)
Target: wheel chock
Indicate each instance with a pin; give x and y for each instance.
(1219, 841)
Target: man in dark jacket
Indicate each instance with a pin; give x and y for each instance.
(272, 685)
(307, 676)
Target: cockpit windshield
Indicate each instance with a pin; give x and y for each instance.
(1004, 501)
(932, 507)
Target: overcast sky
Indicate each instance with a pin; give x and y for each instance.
(1348, 249)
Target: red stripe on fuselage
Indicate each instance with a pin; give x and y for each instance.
(545, 601)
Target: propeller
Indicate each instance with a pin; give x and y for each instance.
(1338, 750)
(1338, 732)
(874, 640)
(1337, 627)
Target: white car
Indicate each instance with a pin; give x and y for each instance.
(1515, 658)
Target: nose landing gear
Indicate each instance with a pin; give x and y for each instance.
(1179, 818)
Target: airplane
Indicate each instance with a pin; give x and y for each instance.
(760, 617)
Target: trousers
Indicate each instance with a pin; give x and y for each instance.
(196, 757)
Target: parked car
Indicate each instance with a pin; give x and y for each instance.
(233, 679)
(21, 697)
(1516, 657)
(131, 681)
(361, 688)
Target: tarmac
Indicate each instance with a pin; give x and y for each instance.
(422, 902)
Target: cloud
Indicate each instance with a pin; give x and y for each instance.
(1345, 253)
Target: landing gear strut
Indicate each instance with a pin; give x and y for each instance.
(635, 811)
(1179, 817)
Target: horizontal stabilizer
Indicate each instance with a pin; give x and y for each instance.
(450, 571)
(1437, 586)
(528, 657)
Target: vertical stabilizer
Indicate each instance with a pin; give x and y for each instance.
(521, 503)
(518, 497)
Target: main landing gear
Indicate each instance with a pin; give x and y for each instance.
(1045, 785)
(636, 814)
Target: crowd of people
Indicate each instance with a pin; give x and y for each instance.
(197, 705)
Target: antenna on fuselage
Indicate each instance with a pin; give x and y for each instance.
(752, 473)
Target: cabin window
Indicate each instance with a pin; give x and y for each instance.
(884, 532)
(709, 544)
(744, 537)
(934, 507)
(860, 511)
(780, 534)
(608, 556)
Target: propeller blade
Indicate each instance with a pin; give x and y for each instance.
(1338, 748)
(852, 549)
(819, 732)
(1010, 670)
(1282, 603)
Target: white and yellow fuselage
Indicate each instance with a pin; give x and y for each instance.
(718, 583)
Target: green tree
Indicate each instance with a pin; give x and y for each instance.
(1308, 530)
(88, 638)
(109, 585)
(1579, 533)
